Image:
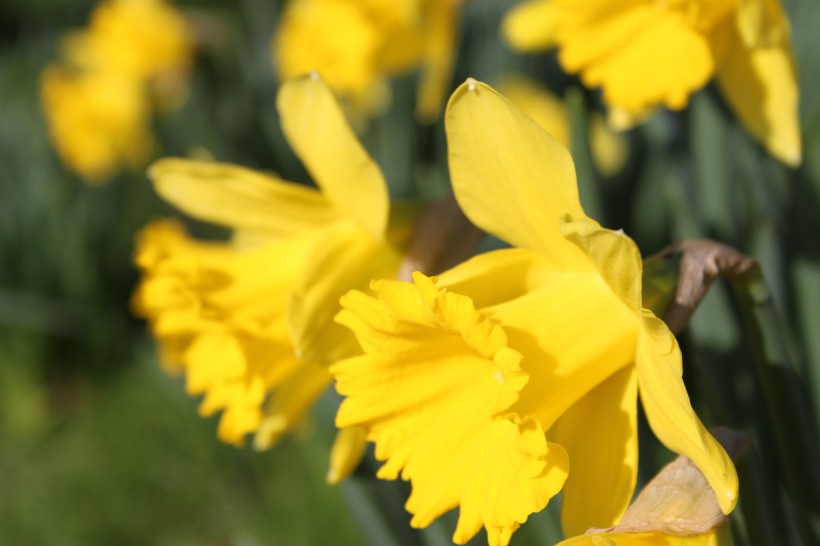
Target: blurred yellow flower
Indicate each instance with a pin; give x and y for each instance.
(651, 53)
(609, 150)
(356, 44)
(465, 376)
(134, 56)
(250, 321)
(98, 122)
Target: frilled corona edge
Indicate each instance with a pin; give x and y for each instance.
(433, 391)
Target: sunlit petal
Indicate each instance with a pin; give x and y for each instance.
(240, 198)
(760, 85)
(509, 175)
(316, 128)
(344, 258)
(670, 413)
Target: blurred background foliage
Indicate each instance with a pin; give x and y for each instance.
(98, 447)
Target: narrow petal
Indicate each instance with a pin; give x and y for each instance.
(437, 69)
(346, 453)
(760, 84)
(510, 176)
(615, 255)
(429, 389)
(602, 422)
(289, 404)
(240, 198)
(670, 413)
(344, 258)
(316, 128)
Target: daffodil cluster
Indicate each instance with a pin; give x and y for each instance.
(356, 44)
(516, 374)
(650, 53)
(250, 321)
(132, 58)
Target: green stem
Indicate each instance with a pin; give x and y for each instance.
(786, 402)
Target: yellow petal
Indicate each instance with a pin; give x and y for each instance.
(602, 422)
(499, 276)
(240, 198)
(608, 148)
(670, 413)
(221, 316)
(510, 176)
(641, 56)
(615, 255)
(346, 453)
(344, 258)
(539, 103)
(431, 360)
(532, 25)
(289, 404)
(574, 333)
(760, 85)
(317, 130)
(437, 69)
(761, 23)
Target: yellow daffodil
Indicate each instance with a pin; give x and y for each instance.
(356, 44)
(650, 53)
(250, 322)
(466, 376)
(608, 148)
(98, 122)
(134, 56)
(137, 39)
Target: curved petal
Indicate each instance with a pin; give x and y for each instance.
(317, 130)
(574, 333)
(346, 453)
(670, 413)
(532, 26)
(510, 176)
(760, 84)
(289, 403)
(239, 198)
(499, 276)
(615, 255)
(344, 258)
(432, 361)
(605, 421)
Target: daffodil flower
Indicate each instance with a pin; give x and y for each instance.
(250, 322)
(134, 56)
(355, 45)
(517, 373)
(651, 53)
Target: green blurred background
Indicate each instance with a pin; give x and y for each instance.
(99, 447)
